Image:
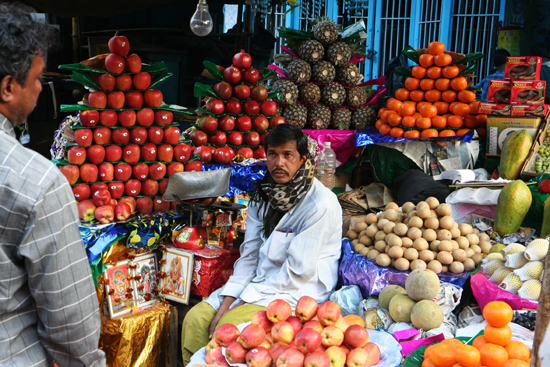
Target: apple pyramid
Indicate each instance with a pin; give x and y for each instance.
(237, 113)
(126, 142)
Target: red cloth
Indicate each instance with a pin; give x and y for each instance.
(212, 269)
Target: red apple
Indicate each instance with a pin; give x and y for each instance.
(102, 135)
(217, 138)
(213, 354)
(207, 123)
(108, 118)
(138, 135)
(204, 152)
(198, 138)
(123, 171)
(116, 189)
(251, 336)
(127, 118)
(251, 108)
(291, 358)
(357, 357)
(263, 137)
(120, 136)
(95, 154)
(246, 152)
(119, 45)
(155, 134)
(130, 201)
(221, 361)
(86, 209)
(172, 135)
(260, 318)
(97, 100)
(251, 76)
(243, 123)
(182, 152)
(159, 205)
(337, 356)
(114, 64)
(149, 188)
(276, 120)
(356, 336)
(163, 185)
(132, 187)
(226, 123)
(174, 168)
(222, 155)
(89, 117)
(163, 117)
(149, 152)
(133, 64)
(193, 166)
(96, 186)
(328, 313)
(123, 82)
(232, 106)
(260, 124)
(152, 98)
(106, 172)
(268, 108)
(332, 336)
(144, 205)
(226, 334)
(145, 117)
(157, 171)
(295, 322)
(341, 324)
(241, 92)
(307, 340)
(374, 353)
(165, 153)
(313, 324)
(106, 82)
(306, 308)
(101, 197)
(71, 172)
(235, 353)
(142, 81)
(105, 214)
(232, 75)
(259, 153)
(115, 100)
(140, 171)
(122, 212)
(258, 357)
(259, 93)
(131, 153)
(223, 90)
(317, 358)
(252, 138)
(134, 99)
(242, 60)
(283, 332)
(215, 106)
(83, 137)
(235, 138)
(81, 192)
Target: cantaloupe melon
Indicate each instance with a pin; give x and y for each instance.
(388, 293)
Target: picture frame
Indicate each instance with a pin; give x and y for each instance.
(117, 277)
(243, 213)
(178, 267)
(146, 267)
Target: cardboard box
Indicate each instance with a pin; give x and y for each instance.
(525, 110)
(528, 92)
(494, 109)
(537, 141)
(499, 127)
(522, 68)
(499, 91)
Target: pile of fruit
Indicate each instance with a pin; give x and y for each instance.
(421, 236)
(435, 100)
(526, 319)
(317, 336)
(542, 161)
(493, 349)
(518, 269)
(126, 144)
(320, 88)
(237, 115)
(414, 304)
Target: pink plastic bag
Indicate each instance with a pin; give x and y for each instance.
(484, 291)
(409, 343)
(341, 141)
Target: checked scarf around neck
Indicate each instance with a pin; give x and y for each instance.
(286, 196)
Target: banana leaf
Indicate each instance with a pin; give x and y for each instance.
(411, 54)
(274, 95)
(268, 73)
(155, 68)
(159, 78)
(474, 88)
(401, 71)
(213, 69)
(81, 107)
(469, 69)
(76, 127)
(85, 79)
(468, 58)
(285, 32)
(60, 162)
(203, 90)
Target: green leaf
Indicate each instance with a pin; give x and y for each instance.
(469, 69)
(204, 90)
(158, 67)
(85, 79)
(60, 162)
(401, 71)
(274, 95)
(474, 88)
(159, 78)
(468, 58)
(212, 69)
(411, 54)
(81, 68)
(74, 107)
(294, 33)
(267, 74)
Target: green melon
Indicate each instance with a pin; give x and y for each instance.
(400, 308)
(427, 315)
(388, 293)
(422, 284)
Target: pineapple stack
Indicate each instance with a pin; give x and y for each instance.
(320, 91)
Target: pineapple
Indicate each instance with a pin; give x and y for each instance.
(323, 72)
(340, 119)
(356, 97)
(288, 91)
(338, 53)
(348, 75)
(299, 71)
(309, 94)
(280, 110)
(362, 117)
(333, 95)
(325, 31)
(318, 117)
(296, 115)
(311, 51)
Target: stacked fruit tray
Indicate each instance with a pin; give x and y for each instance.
(126, 142)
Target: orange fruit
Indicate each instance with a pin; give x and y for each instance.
(446, 133)
(443, 355)
(442, 84)
(380, 111)
(354, 319)
(482, 131)
(439, 121)
(416, 95)
(466, 355)
(395, 119)
(428, 351)
(470, 121)
(466, 96)
(481, 119)
(428, 363)
(474, 107)
(461, 132)
(417, 115)
(384, 129)
(442, 107)
(432, 95)
(493, 355)
(394, 104)
(386, 114)
(411, 134)
(515, 363)
(427, 84)
(408, 121)
(402, 94)
(423, 122)
(480, 340)
(461, 109)
(428, 110)
(459, 83)
(412, 83)
(436, 48)
(397, 132)
(426, 60)
(443, 59)
(455, 121)
(378, 123)
(498, 313)
(450, 71)
(418, 72)
(434, 72)
(407, 109)
(449, 96)
(455, 343)
(498, 335)
(429, 133)
(518, 350)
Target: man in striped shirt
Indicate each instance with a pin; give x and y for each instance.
(48, 304)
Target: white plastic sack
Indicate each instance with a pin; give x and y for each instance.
(348, 298)
(467, 201)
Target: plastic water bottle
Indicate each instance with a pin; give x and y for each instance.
(326, 165)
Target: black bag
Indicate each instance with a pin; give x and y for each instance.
(393, 81)
(414, 185)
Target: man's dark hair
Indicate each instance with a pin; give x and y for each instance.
(284, 133)
(21, 39)
(499, 57)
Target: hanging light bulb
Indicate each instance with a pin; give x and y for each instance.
(201, 22)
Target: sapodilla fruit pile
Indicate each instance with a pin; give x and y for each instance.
(421, 236)
(316, 336)
(127, 146)
(493, 349)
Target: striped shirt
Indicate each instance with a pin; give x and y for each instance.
(48, 304)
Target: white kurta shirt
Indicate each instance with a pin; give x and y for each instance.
(299, 258)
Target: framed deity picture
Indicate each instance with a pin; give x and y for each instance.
(243, 213)
(120, 298)
(145, 279)
(178, 267)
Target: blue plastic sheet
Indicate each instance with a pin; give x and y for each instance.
(243, 176)
(356, 269)
(149, 230)
(98, 237)
(370, 135)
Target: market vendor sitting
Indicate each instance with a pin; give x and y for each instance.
(291, 248)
